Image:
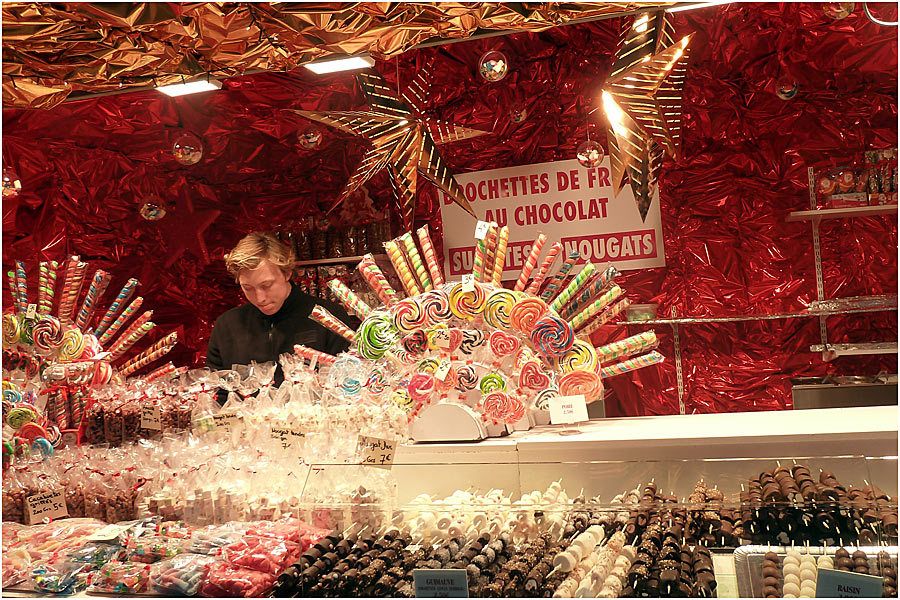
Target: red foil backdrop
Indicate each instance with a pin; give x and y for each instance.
(88, 166)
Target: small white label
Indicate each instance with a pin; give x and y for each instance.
(225, 420)
(377, 452)
(110, 533)
(150, 417)
(831, 583)
(481, 230)
(441, 338)
(443, 369)
(441, 583)
(468, 283)
(46, 505)
(568, 409)
(290, 438)
(31, 312)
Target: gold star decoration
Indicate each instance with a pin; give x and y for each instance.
(642, 101)
(402, 140)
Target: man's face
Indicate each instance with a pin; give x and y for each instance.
(266, 287)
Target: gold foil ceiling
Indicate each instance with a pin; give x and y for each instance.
(52, 50)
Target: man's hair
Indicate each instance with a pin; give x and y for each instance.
(254, 248)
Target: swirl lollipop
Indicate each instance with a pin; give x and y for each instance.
(376, 335)
(501, 407)
(543, 398)
(503, 344)
(436, 306)
(408, 315)
(533, 377)
(376, 383)
(552, 336)
(10, 329)
(466, 378)
(581, 357)
(581, 382)
(498, 307)
(92, 347)
(467, 304)
(472, 339)
(492, 382)
(526, 312)
(416, 342)
(428, 365)
(47, 334)
(421, 388)
(401, 398)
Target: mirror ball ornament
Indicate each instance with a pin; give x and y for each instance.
(309, 139)
(11, 183)
(493, 66)
(589, 154)
(838, 10)
(187, 149)
(787, 90)
(152, 211)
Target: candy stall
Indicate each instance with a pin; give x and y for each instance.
(617, 284)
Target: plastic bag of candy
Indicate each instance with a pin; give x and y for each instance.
(120, 578)
(61, 578)
(263, 554)
(227, 581)
(151, 548)
(181, 575)
(209, 540)
(96, 555)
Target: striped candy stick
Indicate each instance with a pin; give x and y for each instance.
(530, 262)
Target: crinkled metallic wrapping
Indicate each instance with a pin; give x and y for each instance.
(87, 167)
(53, 49)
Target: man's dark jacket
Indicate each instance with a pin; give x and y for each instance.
(245, 334)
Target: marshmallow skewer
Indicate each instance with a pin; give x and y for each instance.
(500, 258)
(430, 256)
(555, 249)
(415, 259)
(311, 353)
(605, 317)
(376, 280)
(151, 354)
(628, 347)
(530, 262)
(557, 279)
(348, 299)
(574, 286)
(98, 285)
(121, 300)
(324, 318)
(595, 307)
(403, 271)
(632, 364)
(113, 329)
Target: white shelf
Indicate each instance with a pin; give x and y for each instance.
(842, 213)
(861, 349)
(333, 261)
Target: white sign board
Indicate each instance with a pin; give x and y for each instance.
(563, 200)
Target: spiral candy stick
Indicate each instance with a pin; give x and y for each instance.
(98, 286)
(123, 318)
(124, 296)
(154, 352)
(134, 335)
(605, 317)
(500, 258)
(530, 262)
(554, 251)
(628, 347)
(593, 287)
(478, 260)
(14, 290)
(51, 285)
(406, 277)
(376, 280)
(145, 316)
(43, 276)
(21, 285)
(71, 289)
(570, 290)
(557, 279)
(415, 259)
(430, 255)
(595, 307)
(348, 299)
(310, 353)
(632, 364)
(490, 247)
(324, 318)
(163, 371)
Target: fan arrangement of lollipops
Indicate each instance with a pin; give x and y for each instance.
(78, 344)
(504, 353)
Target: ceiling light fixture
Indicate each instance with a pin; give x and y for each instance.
(334, 65)
(696, 5)
(190, 87)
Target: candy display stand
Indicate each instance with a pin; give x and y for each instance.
(449, 423)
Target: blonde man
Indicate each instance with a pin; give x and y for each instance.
(277, 315)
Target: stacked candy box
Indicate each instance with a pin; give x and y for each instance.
(503, 353)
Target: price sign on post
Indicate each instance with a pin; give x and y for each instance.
(46, 505)
(150, 417)
(468, 282)
(377, 452)
(831, 583)
(565, 410)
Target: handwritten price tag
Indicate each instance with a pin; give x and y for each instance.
(46, 505)
(225, 420)
(150, 417)
(441, 338)
(290, 438)
(481, 229)
(568, 409)
(443, 369)
(377, 452)
(31, 311)
(468, 282)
